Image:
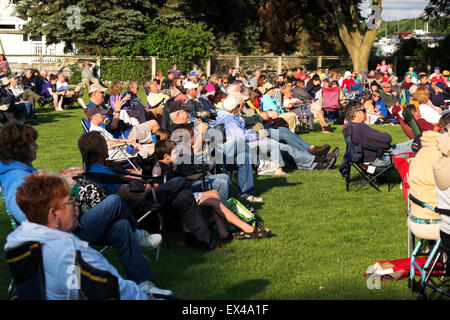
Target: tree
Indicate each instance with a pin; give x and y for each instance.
(281, 25)
(89, 24)
(439, 10)
(358, 37)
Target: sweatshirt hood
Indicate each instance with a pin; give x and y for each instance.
(15, 165)
(29, 231)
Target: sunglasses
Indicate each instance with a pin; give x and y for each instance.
(363, 110)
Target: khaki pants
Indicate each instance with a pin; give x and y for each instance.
(29, 95)
(87, 82)
(291, 119)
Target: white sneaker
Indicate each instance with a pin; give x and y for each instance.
(149, 288)
(268, 167)
(149, 241)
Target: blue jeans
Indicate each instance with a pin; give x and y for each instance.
(26, 110)
(293, 146)
(237, 156)
(398, 148)
(111, 223)
(220, 182)
(286, 136)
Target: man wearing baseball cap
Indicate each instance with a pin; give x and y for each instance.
(437, 76)
(110, 121)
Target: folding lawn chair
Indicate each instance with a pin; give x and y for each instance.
(368, 174)
(45, 104)
(420, 240)
(118, 152)
(27, 269)
(331, 105)
(14, 225)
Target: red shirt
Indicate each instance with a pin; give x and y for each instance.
(347, 83)
(424, 125)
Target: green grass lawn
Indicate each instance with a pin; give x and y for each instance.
(325, 237)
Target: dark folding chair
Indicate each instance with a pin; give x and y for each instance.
(27, 269)
(367, 173)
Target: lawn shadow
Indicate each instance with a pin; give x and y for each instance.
(242, 291)
(50, 117)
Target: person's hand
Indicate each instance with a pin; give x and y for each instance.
(202, 127)
(118, 104)
(127, 97)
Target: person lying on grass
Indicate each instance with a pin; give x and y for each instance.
(166, 153)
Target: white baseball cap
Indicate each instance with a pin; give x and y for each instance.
(190, 85)
(231, 103)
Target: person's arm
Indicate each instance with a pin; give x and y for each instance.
(200, 134)
(128, 196)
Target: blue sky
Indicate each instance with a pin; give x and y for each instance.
(400, 9)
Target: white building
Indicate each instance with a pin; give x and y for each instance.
(14, 41)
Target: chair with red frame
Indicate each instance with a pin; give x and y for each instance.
(330, 104)
(419, 263)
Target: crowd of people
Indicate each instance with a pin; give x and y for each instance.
(188, 136)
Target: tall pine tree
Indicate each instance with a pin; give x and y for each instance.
(99, 24)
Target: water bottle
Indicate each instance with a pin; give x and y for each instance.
(156, 172)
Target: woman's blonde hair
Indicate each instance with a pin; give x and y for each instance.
(116, 88)
(422, 95)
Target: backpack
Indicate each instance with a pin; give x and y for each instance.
(87, 193)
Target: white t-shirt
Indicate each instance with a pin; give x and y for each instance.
(429, 114)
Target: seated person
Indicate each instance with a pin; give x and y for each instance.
(134, 105)
(62, 86)
(199, 107)
(29, 81)
(379, 108)
(40, 80)
(386, 95)
(348, 84)
(24, 108)
(428, 111)
(108, 223)
(111, 121)
(423, 187)
(369, 138)
(313, 85)
(319, 104)
(270, 139)
(49, 90)
(166, 155)
(23, 95)
(441, 170)
(156, 98)
(173, 198)
(52, 216)
(179, 114)
(270, 105)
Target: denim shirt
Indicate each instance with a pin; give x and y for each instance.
(235, 126)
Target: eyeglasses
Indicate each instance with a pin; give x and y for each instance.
(72, 201)
(225, 82)
(363, 110)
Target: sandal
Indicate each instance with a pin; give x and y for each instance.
(257, 233)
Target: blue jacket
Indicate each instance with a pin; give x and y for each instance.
(12, 176)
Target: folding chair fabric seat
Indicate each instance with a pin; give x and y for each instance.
(26, 266)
